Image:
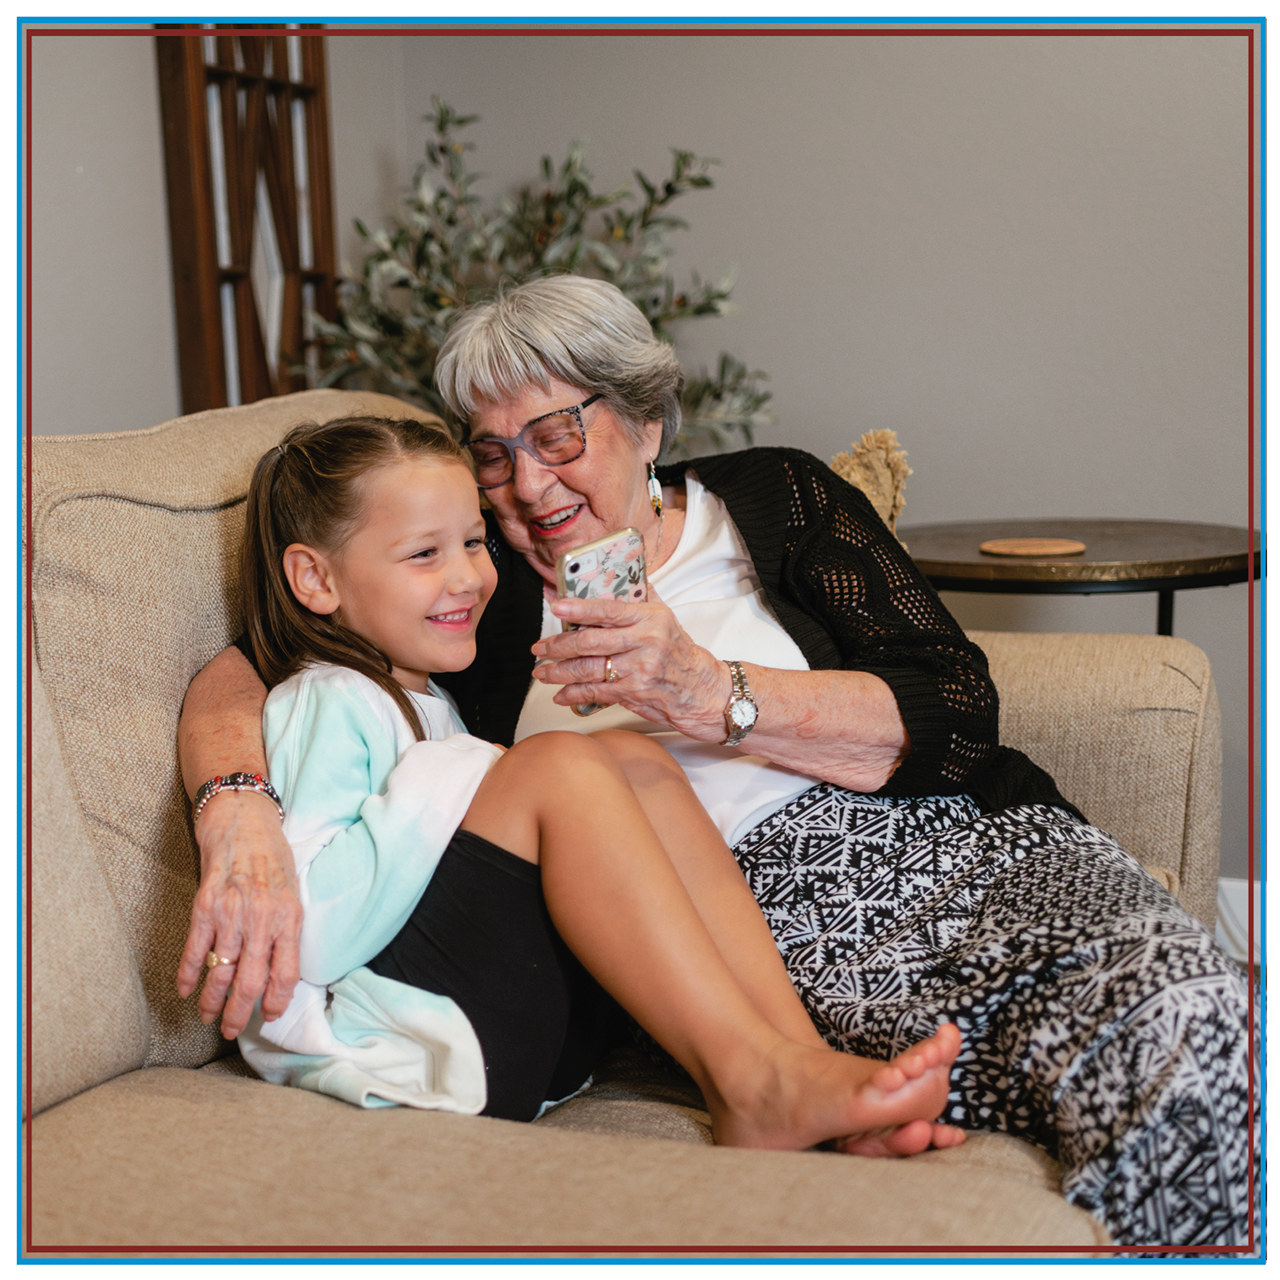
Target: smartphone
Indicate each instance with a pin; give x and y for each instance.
(609, 566)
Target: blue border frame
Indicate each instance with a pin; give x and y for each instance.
(1258, 855)
(20, 274)
(814, 22)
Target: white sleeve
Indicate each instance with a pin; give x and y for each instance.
(367, 830)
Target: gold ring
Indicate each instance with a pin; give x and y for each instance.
(213, 960)
(610, 675)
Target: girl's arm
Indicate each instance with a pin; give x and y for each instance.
(367, 829)
(247, 905)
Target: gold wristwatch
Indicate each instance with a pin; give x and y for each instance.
(740, 715)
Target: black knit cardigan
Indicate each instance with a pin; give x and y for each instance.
(845, 591)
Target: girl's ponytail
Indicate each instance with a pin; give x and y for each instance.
(262, 570)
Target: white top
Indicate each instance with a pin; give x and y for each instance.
(711, 586)
(368, 812)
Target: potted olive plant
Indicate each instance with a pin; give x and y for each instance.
(452, 248)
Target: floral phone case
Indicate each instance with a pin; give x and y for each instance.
(609, 566)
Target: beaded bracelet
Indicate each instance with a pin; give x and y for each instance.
(234, 782)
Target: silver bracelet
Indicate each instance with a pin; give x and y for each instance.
(234, 782)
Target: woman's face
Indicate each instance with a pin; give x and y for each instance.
(545, 511)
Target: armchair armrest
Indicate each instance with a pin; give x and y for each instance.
(1129, 728)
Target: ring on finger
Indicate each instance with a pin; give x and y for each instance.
(213, 960)
(610, 675)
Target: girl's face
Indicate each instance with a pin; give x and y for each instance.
(546, 510)
(414, 577)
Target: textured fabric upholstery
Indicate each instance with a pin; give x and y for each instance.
(89, 1017)
(134, 590)
(397, 1178)
(1129, 728)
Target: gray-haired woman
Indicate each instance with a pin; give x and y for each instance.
(842, 732)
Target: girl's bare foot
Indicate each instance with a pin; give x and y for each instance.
(905, 1140)
(916, 1135)
(803, 1096)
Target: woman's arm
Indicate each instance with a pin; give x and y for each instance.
(896, 697)
(247, 905)
(836, 726)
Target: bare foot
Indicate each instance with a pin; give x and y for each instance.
(906, 1140)
(804, 1096)
(917, 1135)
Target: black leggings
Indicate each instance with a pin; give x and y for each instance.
(481, 935)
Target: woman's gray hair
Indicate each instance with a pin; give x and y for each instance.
(587, 333)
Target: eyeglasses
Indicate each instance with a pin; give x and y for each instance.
(552, 440)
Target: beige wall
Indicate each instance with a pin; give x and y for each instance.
(1026, 255)
(102, 340)
(375, 144)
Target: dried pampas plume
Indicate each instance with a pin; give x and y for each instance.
(879, 468)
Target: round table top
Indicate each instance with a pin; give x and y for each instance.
(1129, 554)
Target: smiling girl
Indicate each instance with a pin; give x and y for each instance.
(452, 892)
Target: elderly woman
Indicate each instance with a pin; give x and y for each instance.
(842, 733)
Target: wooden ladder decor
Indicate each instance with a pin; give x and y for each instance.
(246, 130)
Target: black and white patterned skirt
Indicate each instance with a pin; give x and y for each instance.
(1100, 1021)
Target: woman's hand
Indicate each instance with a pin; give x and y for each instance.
(836, 726)
(246, 911)
(661, 673)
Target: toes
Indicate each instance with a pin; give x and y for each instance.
(906, 1140)
(875, 1143)
(939, 1049)
(914, 1062)
(889, 1078)
(910, 1139)
(947, 1038)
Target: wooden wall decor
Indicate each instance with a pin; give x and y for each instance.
(246, 145)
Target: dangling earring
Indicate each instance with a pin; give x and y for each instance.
(655, 500)
(655, 491)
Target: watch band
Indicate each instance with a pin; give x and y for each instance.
(234, 782)
(741, 712)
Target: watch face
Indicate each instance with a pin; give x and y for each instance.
(743, 714)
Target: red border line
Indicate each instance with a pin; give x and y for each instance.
(28, 654)
(605, 1251)
(542, 31)
(1248, 31)
(1250, 755)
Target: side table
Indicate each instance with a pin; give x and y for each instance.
(1120, 555)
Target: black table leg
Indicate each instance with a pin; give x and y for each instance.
(1164, 614)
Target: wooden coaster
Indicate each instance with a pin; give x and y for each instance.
(1032, 547)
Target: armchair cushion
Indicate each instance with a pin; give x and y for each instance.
(1129, 728)
(166, 1166)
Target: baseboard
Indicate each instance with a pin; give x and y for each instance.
(1233, 918)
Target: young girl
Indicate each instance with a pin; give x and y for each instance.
(441, 877)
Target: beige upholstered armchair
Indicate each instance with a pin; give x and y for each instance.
(144, 1131)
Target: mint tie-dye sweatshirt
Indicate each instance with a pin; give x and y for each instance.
(368, 812)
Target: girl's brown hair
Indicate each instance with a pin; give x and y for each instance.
(307, 489)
